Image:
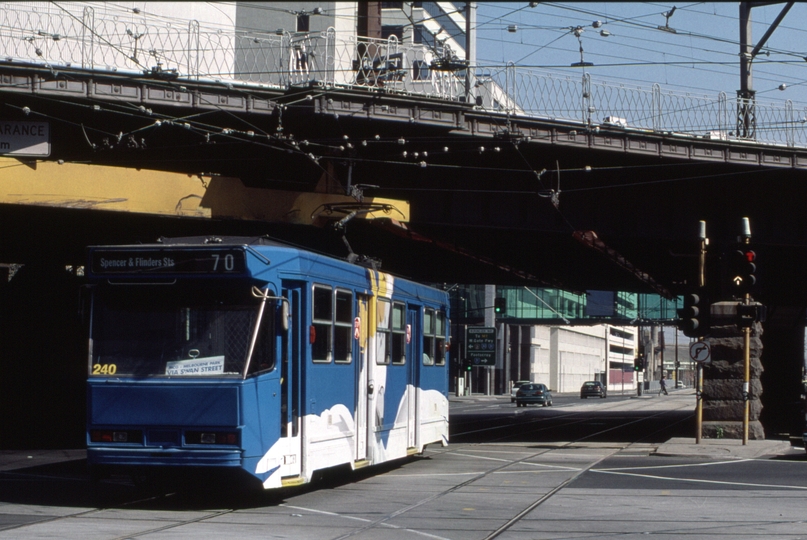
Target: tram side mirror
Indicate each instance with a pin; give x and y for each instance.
(284, 314)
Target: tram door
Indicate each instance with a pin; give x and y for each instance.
(290, 381)
(360, 330)
(413, 362)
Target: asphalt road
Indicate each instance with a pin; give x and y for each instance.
(508, 473)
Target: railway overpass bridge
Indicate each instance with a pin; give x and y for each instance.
(433, 189)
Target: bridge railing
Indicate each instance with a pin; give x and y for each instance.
(74, 34)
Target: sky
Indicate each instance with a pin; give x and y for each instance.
(702, 56)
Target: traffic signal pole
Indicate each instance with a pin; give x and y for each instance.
(746, 348)
(699, 374)
(746, 375)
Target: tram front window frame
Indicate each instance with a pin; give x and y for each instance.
(188, 330)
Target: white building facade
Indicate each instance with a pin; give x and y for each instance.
(564, 357)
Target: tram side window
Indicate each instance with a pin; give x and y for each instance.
(332, 325)
(391, 329)
(434, 327)
(343, 327)
(440, 338)
(321, 348)
(384, 309)
(398, 333)
(428, 337)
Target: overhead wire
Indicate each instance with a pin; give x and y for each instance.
(636, 21)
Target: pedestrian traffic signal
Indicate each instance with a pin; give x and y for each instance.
(500, 306)
(743, 269)
(695, 315)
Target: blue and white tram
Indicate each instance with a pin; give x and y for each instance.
(230, 354)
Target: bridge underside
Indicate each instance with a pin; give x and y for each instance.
(481, 197)
(490, 199)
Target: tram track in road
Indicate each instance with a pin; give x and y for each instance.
(480, 477)
(524, 420)
(538, 502)
(528, 469)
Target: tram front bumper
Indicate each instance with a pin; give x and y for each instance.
(164, 457)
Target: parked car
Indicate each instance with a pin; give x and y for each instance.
(533, 393)
(593, 389)
(680, 384)
(516, 386)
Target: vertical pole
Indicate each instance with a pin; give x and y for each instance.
(746, 377)
(470, 51)
(699, 403)
(745, 95)
(677, 363)
(746, 79)
(490, 322)
(701, 284)
(662, 346)
(746, 236)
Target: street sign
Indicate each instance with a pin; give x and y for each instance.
(700, 352)
(481, 345)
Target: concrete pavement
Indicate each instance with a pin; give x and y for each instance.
(725, 448)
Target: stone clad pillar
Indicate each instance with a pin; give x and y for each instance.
(723, 404)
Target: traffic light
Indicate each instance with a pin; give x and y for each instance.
(743, 269)
(500, 306)
(638, 363)
(695, 315)
(468, 365)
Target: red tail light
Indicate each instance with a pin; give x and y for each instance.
(115, 436)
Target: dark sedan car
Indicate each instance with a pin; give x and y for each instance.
(533, 393)
(593, 389)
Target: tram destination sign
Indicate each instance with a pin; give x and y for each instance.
(480, 345)
(229, 260)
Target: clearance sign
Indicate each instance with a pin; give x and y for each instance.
(24, 139)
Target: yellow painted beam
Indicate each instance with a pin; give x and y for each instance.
(227, 197)
(98, 187)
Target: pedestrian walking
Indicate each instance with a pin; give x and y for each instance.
(663, 386)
